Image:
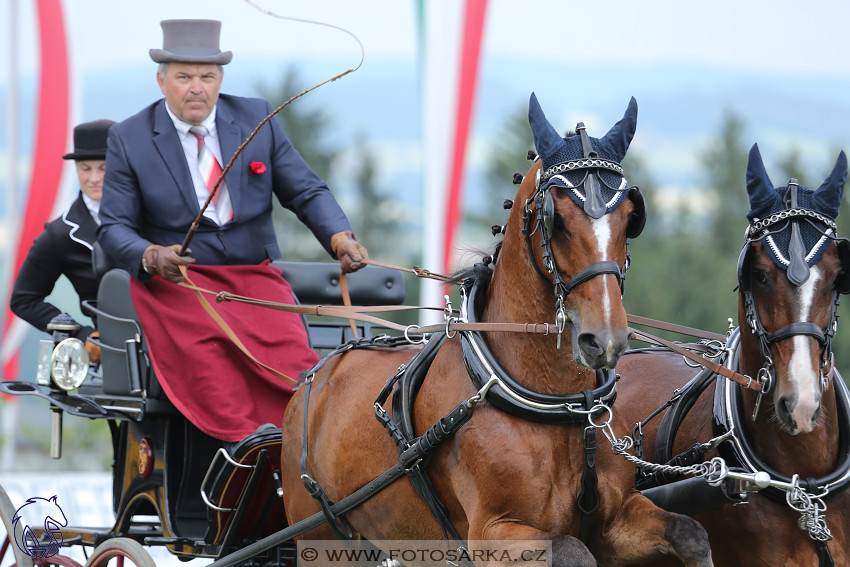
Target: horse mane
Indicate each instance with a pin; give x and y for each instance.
(479, 274)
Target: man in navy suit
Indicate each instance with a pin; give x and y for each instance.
(156, 182)
(65, 246)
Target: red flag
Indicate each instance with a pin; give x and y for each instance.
(52, 129)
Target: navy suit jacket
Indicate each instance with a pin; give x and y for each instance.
(149, 198)
(64, 248)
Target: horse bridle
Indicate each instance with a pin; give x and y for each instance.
(544, 205)
(759, 231)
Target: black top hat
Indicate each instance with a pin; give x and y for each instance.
(191, 41)
(90, 140)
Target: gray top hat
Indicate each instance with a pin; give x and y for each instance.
(90, 140)
(191, 41)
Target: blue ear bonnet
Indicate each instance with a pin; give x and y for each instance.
(814, 232)
(613, 184)
(796, 223)
(588, 168)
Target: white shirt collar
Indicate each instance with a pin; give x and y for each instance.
(183, 127)
(93, 207)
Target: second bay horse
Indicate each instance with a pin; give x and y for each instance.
(795, 431)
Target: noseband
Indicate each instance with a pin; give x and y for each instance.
(544, 205)
(759, 231)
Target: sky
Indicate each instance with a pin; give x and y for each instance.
(779, 35)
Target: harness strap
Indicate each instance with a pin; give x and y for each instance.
(797, 328)
(346, 299)
(588, 497)
(665, 326)
(340, 526)
(741, 379)
(299, 528)
(599, 268)
(824, 556)
(358, 313)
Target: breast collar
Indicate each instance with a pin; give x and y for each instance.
(739, 452)
(504, 392)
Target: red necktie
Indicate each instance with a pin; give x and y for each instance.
(210, 172)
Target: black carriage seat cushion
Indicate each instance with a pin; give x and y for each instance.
(317, 283)
(118, 322)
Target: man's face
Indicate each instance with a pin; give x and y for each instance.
(190, 89)
(90, 173)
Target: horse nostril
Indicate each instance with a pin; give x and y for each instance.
(783, 410)
(589, 345)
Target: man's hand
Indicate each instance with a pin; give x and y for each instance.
(350, 252)
(93, 349)
(165, 261)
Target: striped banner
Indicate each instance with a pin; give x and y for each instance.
(450, 36)
(52, 115)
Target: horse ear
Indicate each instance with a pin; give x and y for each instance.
(546, 138)
(620, 135)
(759, 187)
(828, 195)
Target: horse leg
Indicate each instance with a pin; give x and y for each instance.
(567, 551)
(641, 530)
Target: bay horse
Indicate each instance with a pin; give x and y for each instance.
(795, 432)
(522, 465)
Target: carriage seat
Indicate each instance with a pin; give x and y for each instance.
(124, 362)
(318, 283)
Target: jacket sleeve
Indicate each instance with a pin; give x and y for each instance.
(38, 275)
(300, 190)
(120, 209)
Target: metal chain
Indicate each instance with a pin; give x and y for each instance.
(756, 227)
(586, 163)
(810, 506)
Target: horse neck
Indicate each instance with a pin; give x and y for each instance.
(519, 294)
(811, 454)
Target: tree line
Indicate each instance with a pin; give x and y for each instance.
(683, 264)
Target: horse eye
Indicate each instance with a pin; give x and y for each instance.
(760, 277)
(559, 223)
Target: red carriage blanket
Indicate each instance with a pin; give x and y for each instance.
(205, 375)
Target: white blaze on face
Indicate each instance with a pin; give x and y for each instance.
(804, 378)
(602, 232)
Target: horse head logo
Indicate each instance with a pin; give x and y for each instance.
(39, 512)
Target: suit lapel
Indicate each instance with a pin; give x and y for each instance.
(168, 145)
(229, 139)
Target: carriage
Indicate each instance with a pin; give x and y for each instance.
(174, 486)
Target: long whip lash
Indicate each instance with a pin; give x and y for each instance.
(192, 229)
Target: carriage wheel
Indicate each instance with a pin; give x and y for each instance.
(8, 547)
(57, 561)
(114, 551)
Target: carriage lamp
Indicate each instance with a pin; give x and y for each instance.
(69, 364)
(64, 359)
